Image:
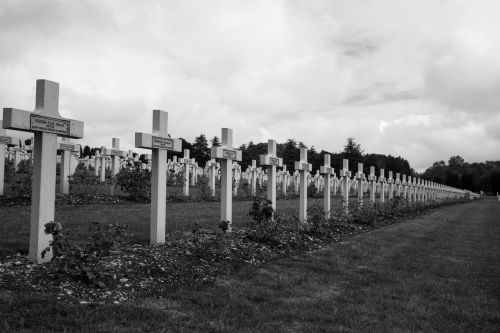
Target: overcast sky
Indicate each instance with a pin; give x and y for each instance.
(418, 78)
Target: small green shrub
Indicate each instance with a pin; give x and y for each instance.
(21, 180)
(204, 186)
(261, 210)
(81, 260)
(84, 181)
(136, 182)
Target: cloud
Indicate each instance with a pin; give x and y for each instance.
(416, 79)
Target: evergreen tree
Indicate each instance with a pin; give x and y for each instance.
(290, 153)
(352, 151)
(200, 150)
(86, 151)
(215, 142)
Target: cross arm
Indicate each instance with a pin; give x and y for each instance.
(270, 160)
(68, 146)
(304, 166)
(148, 141)
(225, 153)
(27, 121)
(324, 169)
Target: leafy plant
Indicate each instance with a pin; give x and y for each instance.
(204, 186)
(81, 260)
(224, 226)
(136, 182)
(84, 181)
(21, 180)
(261, 210)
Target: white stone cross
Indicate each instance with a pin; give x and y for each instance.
(361, 178)
(398, 184)
(47, 124)
(303, 168)
(236, 177)
(227, 154)
(373, 184)
(159, 143)
(188, 162)
(327, 171)
(405, 187)
(285, 180)
(410, 189)
(382, 182)
(253, 179)
(271, 160)
(115, 154)
(4, 141)
(102, 176)
(213, 165)
(97, 159)
(418, 192)
(66, 148)
(345, 174)
(390, 180)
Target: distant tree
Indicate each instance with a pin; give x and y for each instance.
(352, 148)
(185, 145)
(495, 181)
(86, 151)
(290, 153)
(215, 142)
(353, 152)
(452, 179)
(314, 158)
(200, 150)
(456, 165)
(436, 173)
(470, 181)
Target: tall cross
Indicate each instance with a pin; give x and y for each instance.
(390, 180)
(159, 142)
(361, 179)
(345, 174)
(382, 182)
(271, 160)
(227, 154)
(327, 171)
(284, 180)
(236, 177)
(373, 184)
(115, 154)
(47, 124)
(405, 187)
(102, 174)
(213, 165)
(66, 147)
(4, 142)
(187, 161)
(303, 168)
(398, 184)
(410, 188)
(253, 178)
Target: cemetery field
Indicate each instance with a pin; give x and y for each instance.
(437, 272)
(181, 217)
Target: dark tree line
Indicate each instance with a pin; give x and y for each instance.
(290, 152)
(483, 176)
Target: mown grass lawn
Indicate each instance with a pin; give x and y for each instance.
(439, 272)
